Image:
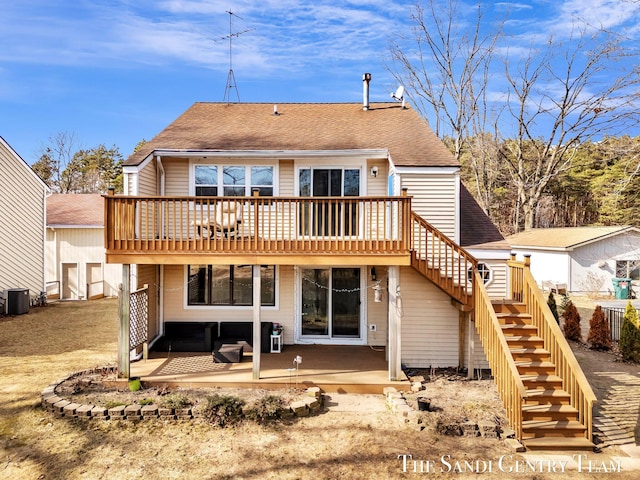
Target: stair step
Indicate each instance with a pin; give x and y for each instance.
(557, 443)
(508, 306)
(535, 367)
(514, 318)
(524, 341)
(542, 381)
(552, 428)
(547, 396)
(549, 412)
(522, 354)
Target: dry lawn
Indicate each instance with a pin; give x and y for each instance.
(51, 342)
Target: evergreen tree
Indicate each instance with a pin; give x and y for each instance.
(551, 301)
(571, 318)
(599, 334)
(630, 335)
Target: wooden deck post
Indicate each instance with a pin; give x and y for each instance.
(257, 326)
(471, 339)
(123, 331)
(395, 325)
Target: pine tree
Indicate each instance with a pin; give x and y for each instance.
(551, 301)
(630, 335)
(571, 317)
(599, 334)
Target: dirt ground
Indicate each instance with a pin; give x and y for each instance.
(353, 438)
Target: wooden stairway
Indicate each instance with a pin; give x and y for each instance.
(549, 422)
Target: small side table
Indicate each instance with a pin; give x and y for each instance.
(276, 342)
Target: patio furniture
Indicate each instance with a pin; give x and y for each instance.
(228, 353)
(228, 217)
(187, 337)
(242, 334)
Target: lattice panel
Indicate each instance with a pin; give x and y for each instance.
(139, 317)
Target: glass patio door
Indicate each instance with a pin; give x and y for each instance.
(329, 218)
(331, 303)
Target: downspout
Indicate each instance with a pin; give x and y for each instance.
(162, 176)
(160, 271)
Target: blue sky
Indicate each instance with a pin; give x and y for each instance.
(114, 72)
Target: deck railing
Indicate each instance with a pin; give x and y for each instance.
(503, 367)
(574, 381)
(441, 260)
(278, 225)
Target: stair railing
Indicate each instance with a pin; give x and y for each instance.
(441, 260)
(503, 367)
(574, 381)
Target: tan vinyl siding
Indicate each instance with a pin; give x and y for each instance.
(176, 176)
(479, 357)
(287, 179)
(377, 311)
(22, 232)
(81, 246)
(430, 326)
(377, 186)
(147, 179)
(147, 275)
(434, 199)
(497, 287)
(175, 309)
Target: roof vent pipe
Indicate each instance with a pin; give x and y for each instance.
(366, 78)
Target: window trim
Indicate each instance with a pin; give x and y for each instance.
(248, 186)
(188, 306)
(487, 269)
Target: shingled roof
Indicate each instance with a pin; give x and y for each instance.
(476, 228)
(71, 209)
(565, 238)
(303, 126)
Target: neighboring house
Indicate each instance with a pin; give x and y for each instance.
(580, 259)
(22, 224)
(76, 267)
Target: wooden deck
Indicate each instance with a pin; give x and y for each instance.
(343, 369)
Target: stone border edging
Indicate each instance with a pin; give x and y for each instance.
(310, 403)
(411, 417)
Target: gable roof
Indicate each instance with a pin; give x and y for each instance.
(75, 210)
(476, 228)
(303, 126)
(565, 238)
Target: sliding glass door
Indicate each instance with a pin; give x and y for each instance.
(331, 303)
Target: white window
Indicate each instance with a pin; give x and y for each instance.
(233, 180)
(484, 271)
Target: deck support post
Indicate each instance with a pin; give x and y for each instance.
(124, 330)
(257, 326)
(395, 325)
(471, 340)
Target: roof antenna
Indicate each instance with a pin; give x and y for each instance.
(231, 79)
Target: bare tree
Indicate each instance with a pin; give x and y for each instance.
(560, 96)
(555, 97)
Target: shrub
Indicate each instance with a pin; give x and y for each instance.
(571, 317)
(176, 400)
(564, 303)
(599, 334)
(223, 410)
(264, 409)
(551, 301)
(630, 335)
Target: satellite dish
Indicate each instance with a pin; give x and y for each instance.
(399, 93)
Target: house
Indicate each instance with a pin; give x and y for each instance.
(76, 267)
(347, 225)
(581, 259)
(22, 225)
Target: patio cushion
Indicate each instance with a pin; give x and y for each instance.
(242, 333)
(187, 337)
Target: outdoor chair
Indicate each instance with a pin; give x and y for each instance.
(228, 218)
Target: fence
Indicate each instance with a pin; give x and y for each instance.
(615, 317)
